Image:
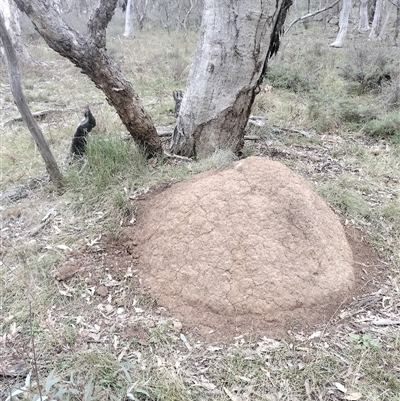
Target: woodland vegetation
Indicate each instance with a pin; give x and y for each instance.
(328, 110)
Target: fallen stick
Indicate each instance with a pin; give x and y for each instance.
(171, 156)
(385, 322)
(296, 131)
(36, 115)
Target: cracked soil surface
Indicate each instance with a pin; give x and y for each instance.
(247, 248)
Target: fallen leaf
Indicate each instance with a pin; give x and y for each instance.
(102, 290)
(340, 387)
(109, 308)
(316, 334)
(185, 341)
(177, 326)
(64, 247)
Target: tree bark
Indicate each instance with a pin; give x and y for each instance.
(90, 55)
(19, 98)
(11, 21)
(363, 24)
(343, 24)
(236, 39)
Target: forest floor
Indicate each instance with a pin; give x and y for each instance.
(73, 302)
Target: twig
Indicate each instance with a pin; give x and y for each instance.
(309, 15)
(251, 137)
(35, 365)
(393, 3)
(184, 158)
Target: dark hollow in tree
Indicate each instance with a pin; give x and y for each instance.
(78, 147)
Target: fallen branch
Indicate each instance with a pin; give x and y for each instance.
(173, 156)
(251, 137)
(20, 191)
(165, 131)
(37, 114)
(310, 15)
(44, 113)
(385, 322)
(296, 131)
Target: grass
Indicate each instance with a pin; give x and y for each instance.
(351, 156)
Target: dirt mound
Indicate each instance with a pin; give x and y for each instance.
(248, 247)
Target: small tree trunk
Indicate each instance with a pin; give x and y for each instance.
(236, 40)
(343, 24)
(128, 19)
(90, 54)
(363, 24)
(375, 23)
(16, 89)
(397, 24)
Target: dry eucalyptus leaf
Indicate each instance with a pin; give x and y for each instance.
(340, 387)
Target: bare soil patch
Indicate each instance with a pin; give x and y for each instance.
(250, 248)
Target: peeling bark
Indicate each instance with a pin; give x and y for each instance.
(90, 55)
(236, 40)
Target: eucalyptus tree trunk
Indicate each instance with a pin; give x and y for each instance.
(90, 55)
(128, 19)
(363, 24)
(397, 24)
(389, 8)
(11, 20)
(343, 24)
(376, 21)
(237, 37)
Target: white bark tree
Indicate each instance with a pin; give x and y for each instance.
(236, 40)
(363, 23)
(389, 8)
(373, 35)
(128, 20)
(343, 23)
(11, 20)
